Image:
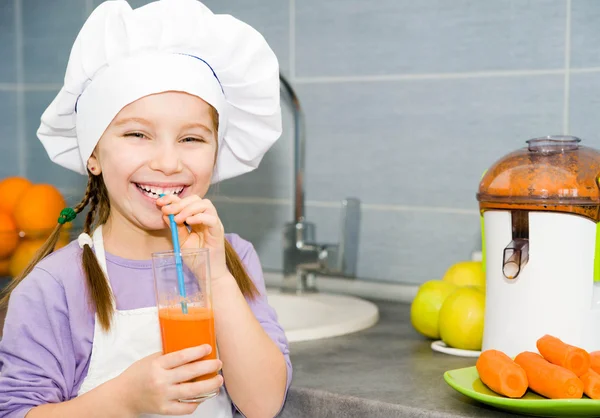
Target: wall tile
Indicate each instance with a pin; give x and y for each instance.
(49, 31)
(8, 134)
(39, 167)
(341, 37)
(408, 247)
(424, 142)
(133, 3)
(8, 68)
(413, 247)
(404, 246)
(584, 105)
(260, 224)
(585, 37)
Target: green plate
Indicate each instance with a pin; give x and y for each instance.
(467, 382)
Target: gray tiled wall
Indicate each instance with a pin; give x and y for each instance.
(359, 38)
(406, 103)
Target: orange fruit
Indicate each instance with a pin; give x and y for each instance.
(37, 211)
(22, 256)
(4, 267)
(9, 237)
(11, 190)
(27, 249)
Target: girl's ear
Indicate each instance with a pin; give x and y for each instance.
(94, 165)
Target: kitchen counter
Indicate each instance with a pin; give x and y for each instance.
(388, 370)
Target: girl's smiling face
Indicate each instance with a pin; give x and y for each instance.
(162, 143)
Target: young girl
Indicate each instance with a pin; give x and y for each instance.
(164, 99)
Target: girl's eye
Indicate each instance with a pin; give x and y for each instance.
(136, 135)
(192, 139)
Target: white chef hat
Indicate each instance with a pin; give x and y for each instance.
(122, 55)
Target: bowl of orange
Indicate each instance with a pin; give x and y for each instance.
(28, 214)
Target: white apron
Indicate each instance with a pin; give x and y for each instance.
(134, 334)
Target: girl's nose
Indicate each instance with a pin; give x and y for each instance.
(166, 160)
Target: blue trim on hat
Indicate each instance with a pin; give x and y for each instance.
(180, 53)
(211, 69)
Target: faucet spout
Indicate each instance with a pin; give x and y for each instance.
(303, 257)
(299, 149)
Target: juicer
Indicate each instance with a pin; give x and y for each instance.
(540, 213)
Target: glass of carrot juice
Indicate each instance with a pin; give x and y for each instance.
(183, 298)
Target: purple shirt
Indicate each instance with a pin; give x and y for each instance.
(48, 333)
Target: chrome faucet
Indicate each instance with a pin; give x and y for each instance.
(303, 257)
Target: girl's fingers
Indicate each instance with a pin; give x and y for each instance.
(211, 221)
(192, 208)
(185, 356)
(189, 205)
(199, 214)
(172, 200)
(182, 230)
(180, 408)
(175, 206)
(167, 199)
(193, 370)
(195, 389)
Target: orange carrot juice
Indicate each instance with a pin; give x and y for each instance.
(180, 330)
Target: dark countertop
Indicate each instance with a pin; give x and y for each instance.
(388, 370)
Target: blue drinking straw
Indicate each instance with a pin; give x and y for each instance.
(178, 263)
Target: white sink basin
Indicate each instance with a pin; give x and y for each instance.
(317, 316)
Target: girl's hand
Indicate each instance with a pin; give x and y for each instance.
(206, 228)
(154, 384)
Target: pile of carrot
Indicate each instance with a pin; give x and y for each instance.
(558, 371)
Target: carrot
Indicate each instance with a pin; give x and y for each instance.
(568, 356)
(501, 374)
(595, 361)
(591, 384)
(549, 380)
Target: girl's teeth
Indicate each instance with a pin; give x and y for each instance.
(155, 192)
(150, 194)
